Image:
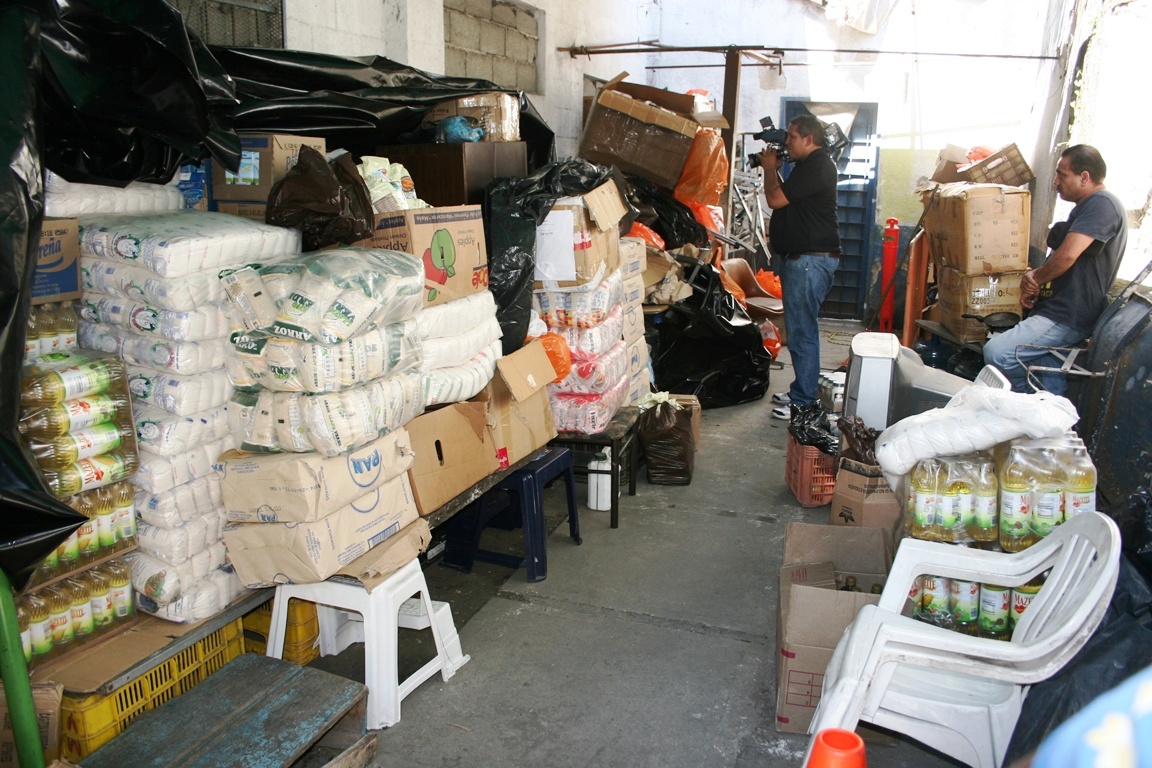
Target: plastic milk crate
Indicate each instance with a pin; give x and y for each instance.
(301, 636)
(810, 474)
(89, 722)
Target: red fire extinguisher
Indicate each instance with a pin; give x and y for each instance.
(888, 275)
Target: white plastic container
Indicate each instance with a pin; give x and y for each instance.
(600, 485)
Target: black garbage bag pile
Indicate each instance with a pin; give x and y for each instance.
(513, 209)
(665, 215)
(327, 201)
(809, 425)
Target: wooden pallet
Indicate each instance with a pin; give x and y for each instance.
(256, 712)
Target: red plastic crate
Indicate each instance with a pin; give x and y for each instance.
(810, 474)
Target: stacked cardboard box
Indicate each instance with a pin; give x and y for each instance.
(265, 158)
(633, 258)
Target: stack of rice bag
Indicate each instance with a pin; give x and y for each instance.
(152, 295)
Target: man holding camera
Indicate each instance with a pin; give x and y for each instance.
(805, 233)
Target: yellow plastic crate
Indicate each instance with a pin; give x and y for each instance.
(303, 623)
(88, 722)
(297, 653)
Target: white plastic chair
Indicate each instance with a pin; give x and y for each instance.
(959, 694)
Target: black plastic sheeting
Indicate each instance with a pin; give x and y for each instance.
(356, 103)
(513, 209)
(34, 521)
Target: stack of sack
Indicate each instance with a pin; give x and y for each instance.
(152, 295)
(461, 342)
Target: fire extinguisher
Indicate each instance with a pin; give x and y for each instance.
(888, 275)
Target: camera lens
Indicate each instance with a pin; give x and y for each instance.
(753, 161)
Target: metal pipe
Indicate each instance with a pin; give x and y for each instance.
(599, 50)
(17, 686)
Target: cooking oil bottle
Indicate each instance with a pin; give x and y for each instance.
(1022, 598)
(24, 624)
(81, 608)
(105, 520)
(88, 540)
(1080, 491)
(994, 609)
(69, 448)
(964, 604)
(39, 626)
(985, 524)
(124, 503)
(1048, 500)
(99, 594)
(68, 552)
(66, 324)
(955, 510)
(44, 424)
(120, 589)
(32, 337)
(934, 594)
(49, 330)
(924, 480)
(87, 377)
(1016, 483)
(49, 567)
(90, 473)
(59, 618)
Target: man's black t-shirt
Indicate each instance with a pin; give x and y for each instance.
(1079, 296)
(808, 223)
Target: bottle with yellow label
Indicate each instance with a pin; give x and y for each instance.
(1080, 492)
(1016, 483)
(66, 325)
(924, 480)
(68, 552)
(985, 524)
(88, 539)
(99, 594)
(59, 618)
(49, 330)
(81, 609)
(90, 473)
(995, 604)
(39, 626)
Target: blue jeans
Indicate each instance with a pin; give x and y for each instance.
(1001, 351)
(805, 281)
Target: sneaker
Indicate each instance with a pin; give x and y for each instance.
(781, 398)
(782, 412)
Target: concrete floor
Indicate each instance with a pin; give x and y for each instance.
(649, 645)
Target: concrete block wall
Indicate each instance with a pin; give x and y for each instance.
(492, 40)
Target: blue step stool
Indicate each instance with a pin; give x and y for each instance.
(522, 490)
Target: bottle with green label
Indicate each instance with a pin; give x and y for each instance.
(39, 626)
(1017, 479)
(1048, 498)
(995, 605)
(83, 378)
(47, 423)
(74, 446)
(985, 524)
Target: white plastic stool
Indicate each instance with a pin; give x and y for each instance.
(384, 610)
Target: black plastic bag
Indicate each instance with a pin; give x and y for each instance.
(669, 217)
(513, 209)
(328, 202)
(1134, 518)
(708, 346)
(128, 91)
(1120, 647)
(34, 521)
(861, 438)
(665, 433)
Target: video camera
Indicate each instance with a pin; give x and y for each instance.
(834, 140)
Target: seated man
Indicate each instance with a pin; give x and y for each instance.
(1069, 291)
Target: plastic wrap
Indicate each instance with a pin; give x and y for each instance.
(186, 358)
(453, 318)
(558, 354)
(459, 383)
(594, 373)
(451, 351)
(157, 580)
(174, 507)
(536, 325)
(208, 321)
(185, 242)
(341, 291)
(63, 199)
(587, 413)
(256, 359)
(136, 283)
(180, 395)
(581, 309)
(158, 474)
(595, 340)
(202, 599)
(665, 432)
(167, 434)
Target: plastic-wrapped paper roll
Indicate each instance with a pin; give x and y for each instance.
(227, 583)
(253, 302)
(341, 291)
(169, 545)
(291, 431)
(68, 200)
(128, 281)
(157, 580)
(458, 350)
(173, 508)
(458, 383)
(158, 474)
(453, 318)
(200, 600)
(183, 242)
(206, 322)
(594, 373)
(580, 309)
(201, 564)
(178, 394)
(587, 413)
(168, 434)
(342, 421)
(186, 358)
(595, 340)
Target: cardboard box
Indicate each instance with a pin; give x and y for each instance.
(46, 699)
(978, 228)
(633, 315)
(633, 257)
(962, 294)
(193, 182)
(256, 211)
(579, 241)
(266, 554)
(656, 266)
(862, 496)
(517, 406)
(693, 403)
(812, 615)
(57, 274)
(644, 130)
(638, 387)
(454, 451)
(458, 174)
(306, 487)
(637, 355)
(497, 113)
(459, 268)
(947, 163)
(265, 158)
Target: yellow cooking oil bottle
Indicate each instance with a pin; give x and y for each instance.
(985, 524)
(1022, 597)
(105, 520)
(1048, 498)
(88, 540)
(924, 482)
(59, 618)
(124, 503)
(55, 385)
(39, 626)
(1017, 480)
(100, 597)
(120, 589)
(50, 422)
(955, 500)
(24, 624)
(995, 602)
(81, 608)
(1080, 491)
(964, 604)
(69, 448)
